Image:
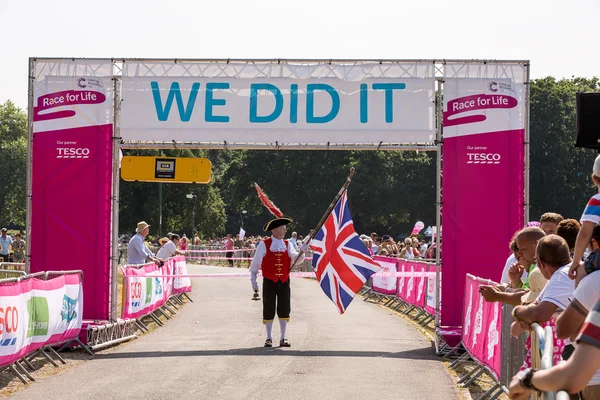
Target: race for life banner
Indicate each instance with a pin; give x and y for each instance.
(180, 284)
(148, 288)
(484, 164)
(482, 327)
(431, 292)
(386, 282)
(233, 102)
(36, 313)
(71, 182)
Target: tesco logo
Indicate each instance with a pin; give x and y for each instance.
(483, 158)
(73, 152)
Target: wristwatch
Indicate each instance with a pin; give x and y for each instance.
(525, 378)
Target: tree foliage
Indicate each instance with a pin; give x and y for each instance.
(389, 193)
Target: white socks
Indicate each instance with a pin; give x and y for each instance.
(283, 326)
(269, 326)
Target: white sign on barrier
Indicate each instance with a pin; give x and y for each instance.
(268, 109)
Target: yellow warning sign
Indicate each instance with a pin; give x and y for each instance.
(166, 169)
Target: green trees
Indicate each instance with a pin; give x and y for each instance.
(389, 193)
(13, 159)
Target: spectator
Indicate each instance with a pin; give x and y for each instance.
(416, 247)
(423, 248)
(378, 243)
(568, 230)
(238, 244)
(553, 260)
(527, 241)
(573, 375)
(196, 240)
(408, 251)
(589, 219)
(229, 248)
(571, 320)
(549, 222)
(293, 240)
(183, 243)
(169, 249)
(19, 247)
(511, 260)
(137, 251)
(5, 242)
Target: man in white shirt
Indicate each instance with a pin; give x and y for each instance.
(553, 258)
(294, 240)
(5, 242)
(170, 248)
(137, 251)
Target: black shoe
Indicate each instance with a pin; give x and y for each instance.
(268, 343)
(284, 343)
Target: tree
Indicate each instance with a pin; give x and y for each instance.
(13, 169)
(560, 173)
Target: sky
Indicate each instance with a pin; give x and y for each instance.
(559, 37)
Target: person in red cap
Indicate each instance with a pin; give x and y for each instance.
(275, 256)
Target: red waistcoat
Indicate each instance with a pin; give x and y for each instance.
(276, 265)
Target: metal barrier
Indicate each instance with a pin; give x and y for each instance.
(513, 348)
(12, 266)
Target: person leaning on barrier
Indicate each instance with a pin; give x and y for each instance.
(525, 243)
(137, 252)
(553, 260)
(5, 243)
(574, 374)
(169, 249)
(275, 256)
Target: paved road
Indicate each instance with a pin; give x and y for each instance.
(213, 349)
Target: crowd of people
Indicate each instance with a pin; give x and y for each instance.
(12, 248)
(411, 247)
(552, 278)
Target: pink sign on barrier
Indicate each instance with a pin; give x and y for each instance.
(38, 313)
(484, 166)
(482, 327)
(71, 188)
(147, 288)
(382, 283)
(401, 267)
(421, 289)
(431, 288)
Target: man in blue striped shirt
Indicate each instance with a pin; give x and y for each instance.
(137, 252)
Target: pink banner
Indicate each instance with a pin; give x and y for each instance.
(148, 288)
(482, 327)
(36, 313)
(431, 291)
(382, 283)
(72, 164)
(412, 288)
(483, 185)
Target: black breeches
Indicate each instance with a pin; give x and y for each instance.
(276, 297)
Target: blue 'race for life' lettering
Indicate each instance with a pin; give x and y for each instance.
(163, 111)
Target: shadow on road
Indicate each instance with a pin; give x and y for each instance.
(414, 354)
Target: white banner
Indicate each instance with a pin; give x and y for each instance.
(275, 109)
(385, 281)
(36, 313)
(431, 297)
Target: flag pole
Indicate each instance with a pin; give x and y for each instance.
(329, 209)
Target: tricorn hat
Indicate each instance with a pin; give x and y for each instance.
(276, 223)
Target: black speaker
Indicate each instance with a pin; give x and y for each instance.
(588, 120)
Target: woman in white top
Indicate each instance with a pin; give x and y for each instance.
(407, 252)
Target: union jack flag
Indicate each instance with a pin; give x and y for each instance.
(341, 261)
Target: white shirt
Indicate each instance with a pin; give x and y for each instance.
(423, 250)
(4, 243)
(587, 293)
(510, 261)
(137, 252)
(293, 242)
(277, 245)
(559, 289)
(167, 250)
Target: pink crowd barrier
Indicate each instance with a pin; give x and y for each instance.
(381, 283)
(147, 287)
(482, 326)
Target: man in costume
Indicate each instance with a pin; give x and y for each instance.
(275, 256)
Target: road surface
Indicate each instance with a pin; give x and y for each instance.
(213, 349)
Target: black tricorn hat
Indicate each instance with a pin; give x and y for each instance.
(276, 223)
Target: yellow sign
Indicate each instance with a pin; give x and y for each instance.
(166, 169)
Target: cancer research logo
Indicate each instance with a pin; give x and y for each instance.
(81, 82)
(68, 313)
(499, 87)
(493, 333)
(73, 152)
(39, 316)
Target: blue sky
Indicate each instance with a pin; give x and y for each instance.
(559, 37)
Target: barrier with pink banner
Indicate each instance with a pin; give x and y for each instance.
(482, 326)
(148, 287)
(35, 313)
(385, 283)
(412, 287)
